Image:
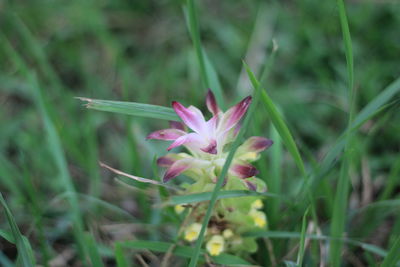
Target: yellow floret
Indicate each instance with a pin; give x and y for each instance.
(227, 233)
(179, 209)
(259, 218)
(215, 245)
(257, 204)
(192, 232)
(249, 156)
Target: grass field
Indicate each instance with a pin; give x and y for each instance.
(325, 89)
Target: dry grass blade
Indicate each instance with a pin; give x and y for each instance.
(137, 178)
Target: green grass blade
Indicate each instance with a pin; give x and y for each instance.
(25, 254)
(206, 196)
(300, 255)
(279, 123)
(119, 255)
(342, 189)
(93, 251)
(393, 257)
(370, 110)
(224, 172)
(132, 108)
(207, 71)
(182, 251)
(296, 235)
(57, 152)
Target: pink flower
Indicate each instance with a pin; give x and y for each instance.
(207, 136)
(207, 141)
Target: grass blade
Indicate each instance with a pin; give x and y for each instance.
(182, 251)
(93, 251)
(132, 108)
(207, 71)
(279, 123)
(393, 256)
(343, 185)
(370, 110)
(25, 254)
(296, 235)
(119, 255)
(300, 255)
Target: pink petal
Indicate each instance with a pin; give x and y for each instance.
(166, 134)
(188, 138)
(191, 117)
(244, 170)
(177, 125)
(165, 161)
(212, 103)
(177, 168)
(251, 186)
(211, 148)
(234, 114)
(256, 144)
(211, 126)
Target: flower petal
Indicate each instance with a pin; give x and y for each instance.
(212, 103)
(251, 186)
(177, 168)
(192, 117)
(166, 134)
(188, 138)
(255, 144)
(234, 114)
(244, 170)
(211, 148)
(177, 125)
(165, 161)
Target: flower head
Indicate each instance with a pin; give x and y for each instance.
(215, 245)
(208, 141)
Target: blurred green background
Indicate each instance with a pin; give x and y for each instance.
(141, 51)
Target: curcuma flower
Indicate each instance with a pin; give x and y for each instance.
(209, 142)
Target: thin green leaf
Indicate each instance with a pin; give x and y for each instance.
(295, 235)
(119, 255)
(132, 108)
(342, 189)
(221, 178)
(93, 251)
(206, 196)
(393, 257)
(373, 108)
(278, 122)
(207, 71)
(182, 251)
(300, 255)
(25, 253)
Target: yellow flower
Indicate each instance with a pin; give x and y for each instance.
(227, 233)
(259, 218)
(192, 232)
(179, 209)
(249, 156)
(215, 245)
(257, 204)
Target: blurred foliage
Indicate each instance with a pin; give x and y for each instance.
(141, 51)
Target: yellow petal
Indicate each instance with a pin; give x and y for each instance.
(192, 232)
(215, 245)
(257, 204)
